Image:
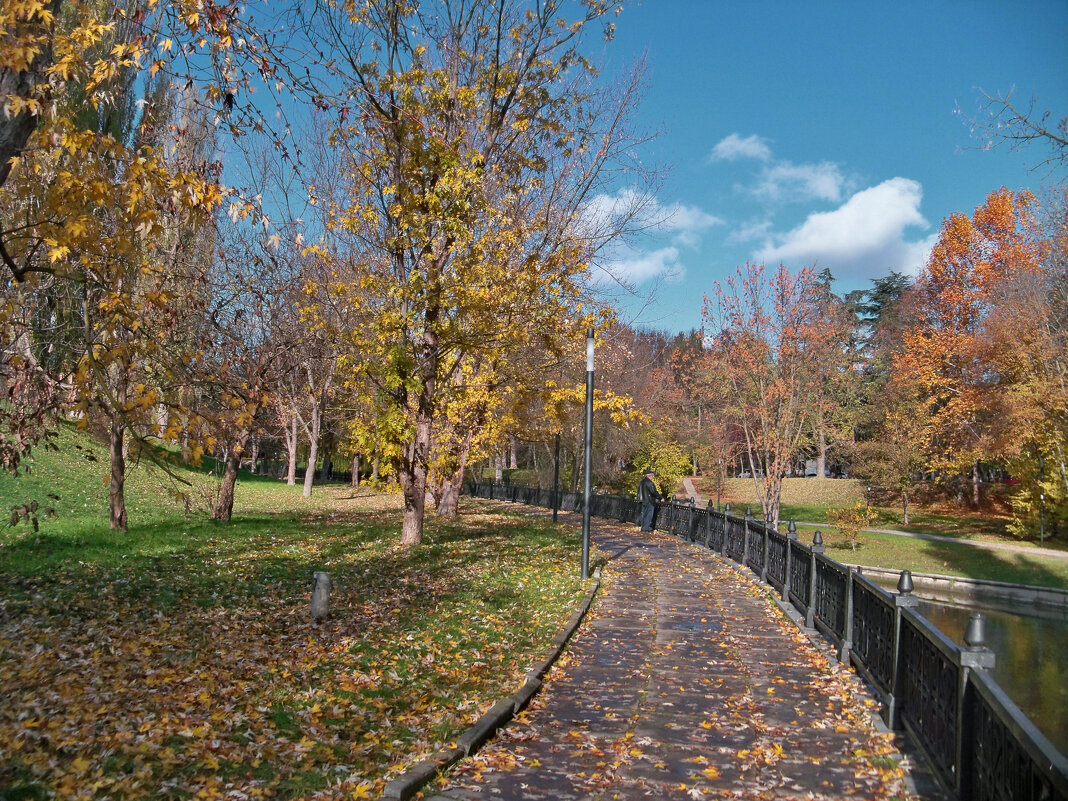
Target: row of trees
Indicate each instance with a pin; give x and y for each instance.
(956, 377)
(421, 296)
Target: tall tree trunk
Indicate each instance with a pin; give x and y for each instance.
(328, 446)
(117, 489)
(413, 476)
(291, 452)
(975, 485)
(821, 445)
(905, 506)
(313, 451)
(513, 449)
(355, 480)
(224, 506)
(255, 452)
(449, 497)
(374, 470)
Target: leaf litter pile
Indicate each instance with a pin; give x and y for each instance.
(197, 673)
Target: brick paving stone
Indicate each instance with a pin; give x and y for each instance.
(685, 682)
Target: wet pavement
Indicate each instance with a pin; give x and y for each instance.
(686, 682)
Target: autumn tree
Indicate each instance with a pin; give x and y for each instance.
(1026, 338)
(894, 455)
(947, 350)
(836, 383)
(479, 131)
(766, 329)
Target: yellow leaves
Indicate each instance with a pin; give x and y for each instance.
(711, 772)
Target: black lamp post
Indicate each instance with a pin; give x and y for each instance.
(589, 457)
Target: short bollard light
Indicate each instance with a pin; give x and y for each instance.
(320, 600)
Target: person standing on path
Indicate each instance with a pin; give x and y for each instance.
(647, 497)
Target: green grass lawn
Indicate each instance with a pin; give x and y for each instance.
(177, 660)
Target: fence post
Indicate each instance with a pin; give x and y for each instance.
(903, 600)
(791, 535)
(764, 561)
(708, 524)
(974, 655)
(723, 542)
(817, 548)
(847, 625)
(690, 534)
(745, 541)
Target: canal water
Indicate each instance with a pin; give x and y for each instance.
(1032, 660)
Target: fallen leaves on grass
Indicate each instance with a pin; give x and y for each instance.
(199, 674)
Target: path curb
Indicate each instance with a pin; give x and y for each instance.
(415, 778)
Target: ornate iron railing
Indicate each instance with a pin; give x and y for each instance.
(979, 742)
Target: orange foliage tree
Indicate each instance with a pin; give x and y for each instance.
(948, 352)
(767, 332)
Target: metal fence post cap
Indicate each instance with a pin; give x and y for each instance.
(975, 653)
(791, 530)
(817, 538)
(727, 507)
(749, 511)
(975, 633)
(904, 582)
(711, 505)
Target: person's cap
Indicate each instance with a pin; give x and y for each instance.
(649, 472)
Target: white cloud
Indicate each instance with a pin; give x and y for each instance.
(749, 232)
(863, 238)
(781, 180)
(669, 229)
(636, 267)
(786, 181)
(736, 146)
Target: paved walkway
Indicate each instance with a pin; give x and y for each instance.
(685, 683)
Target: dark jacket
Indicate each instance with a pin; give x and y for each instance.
(647, 491)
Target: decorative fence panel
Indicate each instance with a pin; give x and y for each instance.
(930, 681)
(978, 740)
(832, 585)
(873, 634)
(778, 547)
(735, 538)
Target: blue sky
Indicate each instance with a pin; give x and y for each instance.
(822, 132)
